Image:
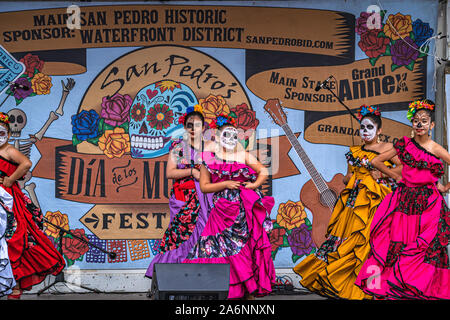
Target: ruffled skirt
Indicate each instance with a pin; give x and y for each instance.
(187, 220)
(332, 270)
(236, 233)
(31, 253)
(409, 237)
(7, 281)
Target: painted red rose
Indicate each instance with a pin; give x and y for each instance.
(245, 117)
(371, 44)
(276, 238)
(32, 62)
(73, 249)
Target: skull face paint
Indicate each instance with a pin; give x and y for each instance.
(228, 138)
(421, 122)
(3, 135)
(368, 129)
(194, 126)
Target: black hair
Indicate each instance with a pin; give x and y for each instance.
(375, 118)
(192, 114)
(225, 125)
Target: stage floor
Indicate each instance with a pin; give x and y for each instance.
(143, 296)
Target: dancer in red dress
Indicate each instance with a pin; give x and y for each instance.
(31, 253)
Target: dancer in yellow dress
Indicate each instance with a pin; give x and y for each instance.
(332, 270)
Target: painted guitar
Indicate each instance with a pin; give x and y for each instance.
(317, 195)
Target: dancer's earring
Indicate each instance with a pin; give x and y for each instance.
(429, 133)
(378, 139)
(412, 133)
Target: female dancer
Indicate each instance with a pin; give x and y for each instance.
(31, 253)
(237, 229)
(7, 281)
(332, 270)
(411, 228)
(188, 205)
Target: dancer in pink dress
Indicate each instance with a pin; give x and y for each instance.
(237, 229)
(410, 231)
(188, 206)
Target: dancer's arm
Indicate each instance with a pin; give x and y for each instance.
(259, 168)
(443, 154)
(378, 162)
(207, 187)
(398, 166)
(24, 165)
(397, 170)
(172, 172)
(348, 175)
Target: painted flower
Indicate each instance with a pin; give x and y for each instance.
(114, 143)
(401, 26)
(167, 85)
(115, 109)
(404, 52)
(291, 214)
(41, 83)
(372, 45)
(300, 241)
(213, 106)
(138, 112)
(73, 248)
(20, 93)
(276, 238)
(57, 218)
(361, 23)
(245, 117)
(85, 125)
(160, 116)
(31, 63)
(422, 31)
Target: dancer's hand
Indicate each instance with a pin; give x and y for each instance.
(231, 184)
(441, 188)
(250, 185)
(398, 177)
(196, 174)
(376, 174)
(6, 181)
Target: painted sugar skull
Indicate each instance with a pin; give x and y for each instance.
(154, 117)
(228, 138)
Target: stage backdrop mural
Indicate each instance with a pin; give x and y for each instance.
(101, 97)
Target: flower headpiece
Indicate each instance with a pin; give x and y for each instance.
(197, 108)
(4, 117)
(417, 105)
(221, 120)
(366, 110)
